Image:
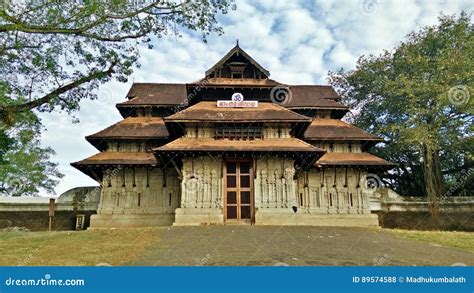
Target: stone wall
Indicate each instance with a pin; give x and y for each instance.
(139, 196)
(395, 211)
(333, 191)
(32, 212)
(315, 198)
(202, 187)
(422, 220)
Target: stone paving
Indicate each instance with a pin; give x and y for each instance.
(293, 246)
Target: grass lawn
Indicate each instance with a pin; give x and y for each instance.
(123, 246)
(70, 248)
(461, 240)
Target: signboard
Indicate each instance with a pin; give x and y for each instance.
(237, 102)
(51, 207)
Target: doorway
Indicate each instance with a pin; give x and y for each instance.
(238, 192)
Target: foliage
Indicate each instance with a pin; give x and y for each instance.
(418, 98)
(55, 53)
(25, 166)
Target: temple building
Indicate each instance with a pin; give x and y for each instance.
(234, 147)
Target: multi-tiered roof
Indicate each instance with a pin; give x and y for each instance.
(155, 115)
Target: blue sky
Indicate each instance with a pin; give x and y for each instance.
(297, 41)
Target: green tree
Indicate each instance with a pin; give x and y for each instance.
(25, 166)
(55, 53)
(417, 97)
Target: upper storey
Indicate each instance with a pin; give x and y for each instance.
(237, 64)
(237, 71)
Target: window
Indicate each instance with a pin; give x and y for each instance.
(301, 202)
(238, 132)
(331, 147)
(147, 177)
(134, 184)
(236, 75)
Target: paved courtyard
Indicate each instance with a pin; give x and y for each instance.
(293, 246)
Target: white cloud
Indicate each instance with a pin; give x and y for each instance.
(298, 41)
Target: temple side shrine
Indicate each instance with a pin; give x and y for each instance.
(234, 147)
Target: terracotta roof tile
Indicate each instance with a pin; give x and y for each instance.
(165, 94)
(313, 96)
(119, 158)
(343, 159)
(265, 145)
(134, 128)
(208, 111)
(335, 129)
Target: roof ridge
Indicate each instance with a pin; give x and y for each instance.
(167, 83)
(303, 116)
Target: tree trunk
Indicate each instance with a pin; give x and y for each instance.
(433, 177)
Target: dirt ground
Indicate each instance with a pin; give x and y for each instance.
(294, 246)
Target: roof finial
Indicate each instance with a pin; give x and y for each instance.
(237, 42)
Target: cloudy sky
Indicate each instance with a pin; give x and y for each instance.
(297, 41)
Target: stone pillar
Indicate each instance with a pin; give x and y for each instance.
(201, 192)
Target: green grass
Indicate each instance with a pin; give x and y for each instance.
(461, 240)
(71, 248)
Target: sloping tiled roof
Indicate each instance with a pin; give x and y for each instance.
(118, 158)
(208, 111)
(313, 96)
(345, 159)
(134, 128)
(258, 145)
(237, 50)
(165, 94)
(335, 129)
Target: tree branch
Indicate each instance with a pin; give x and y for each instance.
(4, 110)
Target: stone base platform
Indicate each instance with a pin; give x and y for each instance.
(316, 219)
(198, 216)
(130, 220)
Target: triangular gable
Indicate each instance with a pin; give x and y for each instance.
(237, 51)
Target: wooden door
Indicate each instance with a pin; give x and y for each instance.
(238, 191)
